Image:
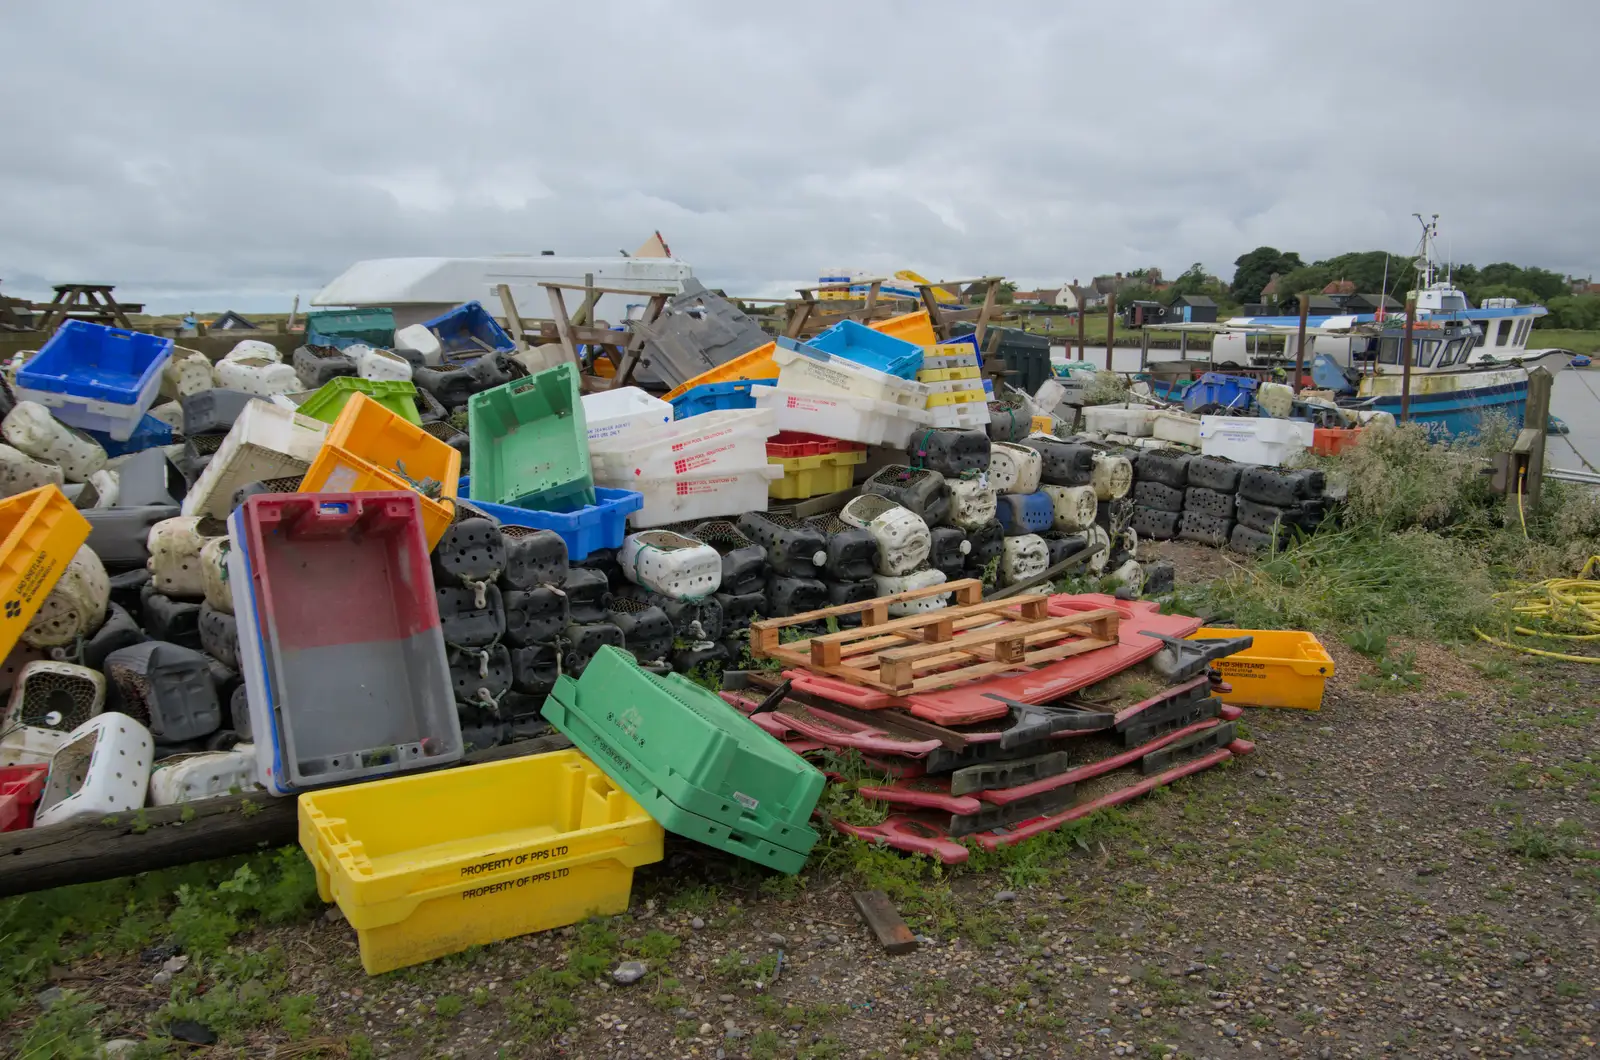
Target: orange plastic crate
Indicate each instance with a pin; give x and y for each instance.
(912, 327)
(1331, 441)
(757, 364)
(337, 470)
(40, 532)
(394, 444)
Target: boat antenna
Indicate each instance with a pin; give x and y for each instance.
(1383, 288)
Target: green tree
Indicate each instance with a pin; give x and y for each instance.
(1308, 279)
(1195, 280)
(1501, 290)
(1007, 293)
(1580, 312)
(1252, 271)
(1542, 282)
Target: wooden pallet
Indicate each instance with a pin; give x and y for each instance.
(936, 649)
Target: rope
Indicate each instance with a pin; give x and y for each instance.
(1570, 602)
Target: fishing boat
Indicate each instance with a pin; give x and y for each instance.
(1466, 363)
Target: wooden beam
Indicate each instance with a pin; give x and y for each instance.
(513, 318)
(635, 293)
(988, 307)
(558, 310)
(884, 921)
(122, 844)
(1537, 417)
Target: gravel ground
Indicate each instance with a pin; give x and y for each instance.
(1410, 871)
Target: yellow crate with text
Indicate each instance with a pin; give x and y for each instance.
(429, 865)
(1283, 668)
(946, 375)
(40, 532)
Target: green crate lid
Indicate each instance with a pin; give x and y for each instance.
(328, 400)
(670, 743)
(375, 327)
(530, 442)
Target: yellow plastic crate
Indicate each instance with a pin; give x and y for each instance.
(40, 532)
(813, 476)
(428, 865)
(946, 375)
(956, 397)
(912, 327)
(757, 364)
(1044, 424)
(337, 470)
(393, 443)
(1283, 668)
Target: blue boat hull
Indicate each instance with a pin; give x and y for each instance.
(1461, 412)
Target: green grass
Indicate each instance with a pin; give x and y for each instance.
(1576, 341)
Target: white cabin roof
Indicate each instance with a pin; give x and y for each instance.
(451, 281)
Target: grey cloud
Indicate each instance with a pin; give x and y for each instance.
(217, 154)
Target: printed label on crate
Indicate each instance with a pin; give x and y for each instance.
(522, 881)
(699, 460)
(496, 864)
(702, 439)
(809, 404)
(33, 579)
(705, 485)
(746, 801)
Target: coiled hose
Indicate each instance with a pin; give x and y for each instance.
(1573, 603)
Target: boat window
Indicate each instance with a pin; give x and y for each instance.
(1504, 333)
(1522, 332)
(1481, 336)
(1455, 350)
(1426, 351)
(1388, 351)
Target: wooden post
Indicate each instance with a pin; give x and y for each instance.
(1082, 308)
(558, 310)
(988, 308)
(1537, 417)
(1111, 326)
(1405, 361)
(1144, 348)
(1300, 349)
(294, 311)
(585, 314)
(513, 318)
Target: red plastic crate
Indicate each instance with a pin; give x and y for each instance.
(19, 794)
(1331, 441)
(788, 444)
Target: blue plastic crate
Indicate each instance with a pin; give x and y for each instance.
(859, 343)
(1025, 513)
(150, 433)
(602, 524)
(713, 397)
(96, 378)
(1235, 392)
(462, 329)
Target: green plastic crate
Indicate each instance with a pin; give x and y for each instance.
(375, 327)
(701, 768)
(328, 400)
(530, 442)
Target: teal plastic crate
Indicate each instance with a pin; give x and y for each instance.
(345, 327)
(530, 443)
(701, 768)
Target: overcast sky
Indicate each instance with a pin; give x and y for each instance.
(220, 154)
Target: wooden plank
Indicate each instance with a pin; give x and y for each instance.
(875, 609)
(632, 292)
(513, 318)
(122, 844)
(909, 622)
(558, 307)
(880, 916)
(1007, 642)
(935, 682)
(636, 341)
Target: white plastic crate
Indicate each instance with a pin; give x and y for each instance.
(952, 357)
(1175, 427)
(621, 413)
(1254, 440)
(204, 776)
(972, 502)
(971, 414)
(266, 441)
(815, 372)
(671, 564)
(30, 427)
(842, 416)
(30, 745)
(376, 364)
(1136, 421)
(103, 768)
(672, 499)
(722, 441)
(1014, 468)
(1024, 556)
(903, 538)
(1112, 476)
(257, 375)
(889, 584)
(174, 563)
(418, 339)
(1075, 506)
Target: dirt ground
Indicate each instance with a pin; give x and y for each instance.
(1411, 871)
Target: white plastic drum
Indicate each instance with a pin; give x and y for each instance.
(671, 564)
(30, 427)
(257, 375)
(888, 585)
(106, 487)
(55, 695)
(20, 472)
(204, 776)
(1130, 574)
(372, 363)
(214, 574)
(174, 562)
(903, 538)
(76, 606)
(1014, 468)
(1112, 476)
(1075, 506)
(104, 767)
(171, 412)
(1099, 550)
(187, 372)
(253, 348)
(1025, 556)
(972, 503)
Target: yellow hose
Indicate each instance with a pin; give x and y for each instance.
(1570, 602)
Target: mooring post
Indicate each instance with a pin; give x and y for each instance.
(1300, 349)
(1111, 326)
(1537, 417)
(1405, 361)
